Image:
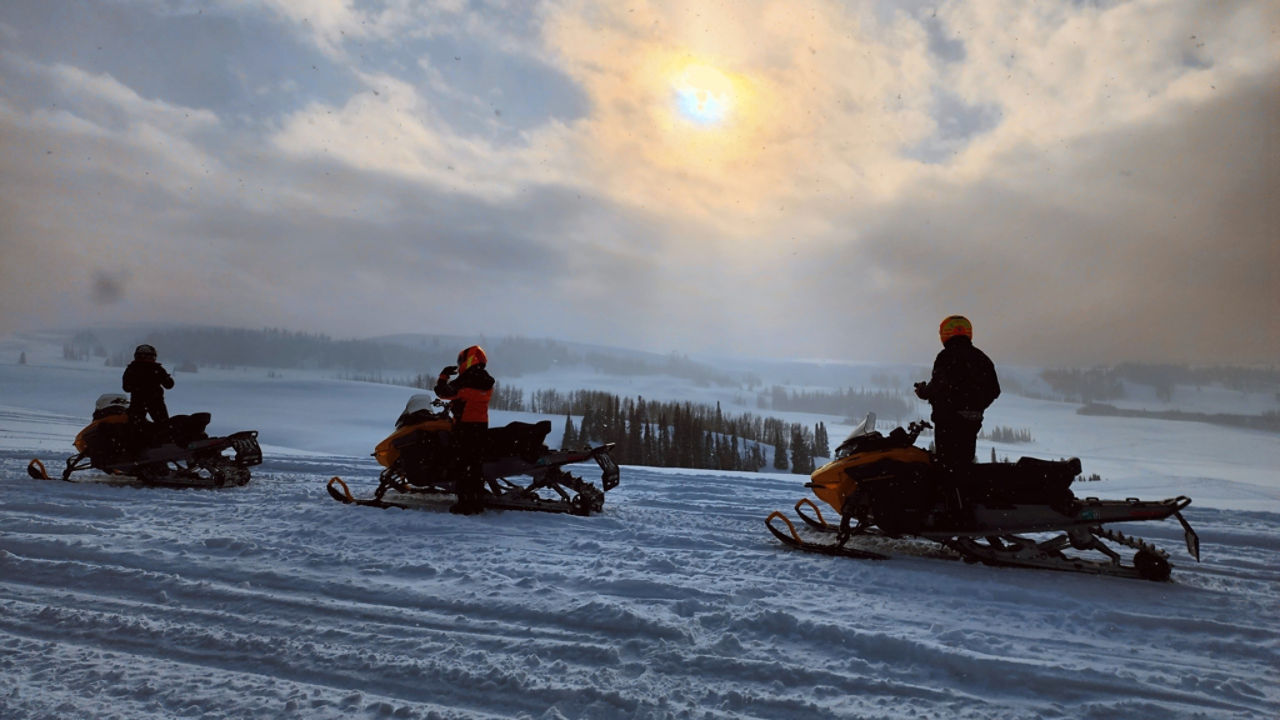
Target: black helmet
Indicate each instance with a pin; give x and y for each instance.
(144, 352)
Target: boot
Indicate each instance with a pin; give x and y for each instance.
(469, 503)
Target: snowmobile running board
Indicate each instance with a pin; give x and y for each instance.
(421, 499)
(502, 494)
(1000, 548)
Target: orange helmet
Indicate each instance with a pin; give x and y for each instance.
(955, 325)
(470, 357)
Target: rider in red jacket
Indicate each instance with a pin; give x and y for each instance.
(468, 396)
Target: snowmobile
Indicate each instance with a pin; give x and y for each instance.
(178, 455)
(417, 462)
(886, 487)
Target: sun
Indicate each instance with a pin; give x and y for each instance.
(704, 95)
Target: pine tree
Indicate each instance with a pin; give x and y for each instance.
(586, 428)
(570, 438)
(821, 443)
(779, 449)
(801, 452)
(664, 455)
(635, 447)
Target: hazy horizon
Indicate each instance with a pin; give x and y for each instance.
(1090, 183)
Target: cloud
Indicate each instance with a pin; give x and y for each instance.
(122, 212)
(1087, 181)
(396, 131)
(1154, 242)
(824, 98)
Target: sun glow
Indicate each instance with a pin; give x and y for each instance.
(704, 95)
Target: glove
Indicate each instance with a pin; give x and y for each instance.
(921, 390)
(449, 370)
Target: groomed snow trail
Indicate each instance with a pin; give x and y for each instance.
(274, 601)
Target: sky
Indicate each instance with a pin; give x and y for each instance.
(1088, 182)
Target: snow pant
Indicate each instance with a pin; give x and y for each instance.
(139, 407)
(955, 439)
(468, 440)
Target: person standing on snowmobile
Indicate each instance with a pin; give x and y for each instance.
(468, 396)
(963, 385)
(146, 380)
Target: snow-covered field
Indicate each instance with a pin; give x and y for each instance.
(273, 601)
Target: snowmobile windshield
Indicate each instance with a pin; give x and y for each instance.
(111, 400)
(866, 428)
(418, 402)
(418, 409)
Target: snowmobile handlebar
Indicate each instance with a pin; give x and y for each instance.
(915, 427)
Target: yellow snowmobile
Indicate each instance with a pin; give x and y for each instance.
(178, 455)
(418, 462)
(884, 486)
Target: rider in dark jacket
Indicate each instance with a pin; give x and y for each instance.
(146, 380)
(468, 396)
(963, 385)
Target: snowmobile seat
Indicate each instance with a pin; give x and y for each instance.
(519, 439)
(186, 429)
(1028, 481)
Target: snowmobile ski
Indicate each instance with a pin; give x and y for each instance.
(793, 539)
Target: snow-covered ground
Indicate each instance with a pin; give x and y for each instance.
(273, 601)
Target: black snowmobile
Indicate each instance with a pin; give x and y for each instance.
(178, 455)
(886, 487)
(418, 462)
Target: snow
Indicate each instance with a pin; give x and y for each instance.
(274, 601)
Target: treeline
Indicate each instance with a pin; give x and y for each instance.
(1003, 434)
(276, 348)
(82, 346)
(675, 365)
(1266, 421)
(285, 349)
(673, 434)
(847, 402)
(1107, 383)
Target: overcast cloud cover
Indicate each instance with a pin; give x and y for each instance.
(1087, 181)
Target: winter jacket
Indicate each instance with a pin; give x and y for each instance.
(468, 394)
(146, 379)
(963, 382)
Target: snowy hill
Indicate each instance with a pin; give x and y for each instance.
(273, 601)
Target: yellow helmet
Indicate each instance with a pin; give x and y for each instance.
(955, 325)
